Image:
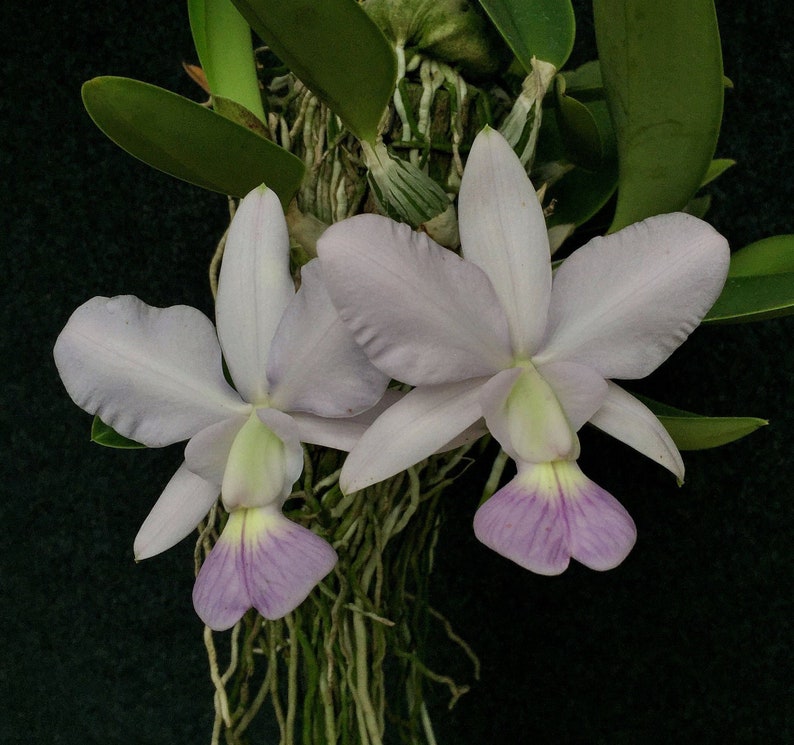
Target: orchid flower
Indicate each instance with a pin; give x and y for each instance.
(155, 375)
(491, 335)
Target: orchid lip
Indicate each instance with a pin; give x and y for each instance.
(550, 513)
(261, 560)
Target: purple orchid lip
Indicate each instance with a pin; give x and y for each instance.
(550, 513)
(262, 560)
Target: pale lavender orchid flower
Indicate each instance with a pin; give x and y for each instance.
(491, 335)
(155, 375)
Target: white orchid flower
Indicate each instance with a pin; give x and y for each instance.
(155, 375)
(491, 335)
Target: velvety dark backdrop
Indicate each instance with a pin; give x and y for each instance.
(688, 641)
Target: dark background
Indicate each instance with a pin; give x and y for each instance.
(688, 641)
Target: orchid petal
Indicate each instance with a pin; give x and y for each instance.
(550, 512)
(422, 314)
(341, 433)
(630, 421)
(184, 503)
(469, 435)
(315, 364)
(524, 415)
(153, 374)
(264, 461)
(207, 452)
(414, 428)
(623, 303)
(261, 560)
(503, 231)
(254, 288)
(579, 389)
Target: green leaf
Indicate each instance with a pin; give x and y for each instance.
(578, 128)
(239, 115)
(754, 298)
(717, 168)
(584, 82)
(102, 434)
(760, 283)
(223, 42)
(534, 28)
(578, 194)
(335, 50)
(186, 140)
(774, 255)
(662, 70)
(696, 432)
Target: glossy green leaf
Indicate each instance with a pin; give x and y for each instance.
(584, 82)
(696, 432)
(760, 283)
(223, 41)
(335, 50)
(534, 28)
(578, 128)
(716, 168)
(754, 298)
(700, 205)
(662, 70)
(581, 194)
(239, 115)
(102, 434)
(186, 140)
(578, 194)
(774, 255)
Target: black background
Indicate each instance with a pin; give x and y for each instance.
(688, 641)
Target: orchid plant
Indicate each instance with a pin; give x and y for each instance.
(376, 127)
